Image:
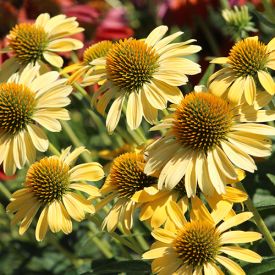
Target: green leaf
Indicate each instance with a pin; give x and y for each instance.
(263, 200)
(264, 19)
(266, 267)
(112, 267)
(271, 177)
(209, 71)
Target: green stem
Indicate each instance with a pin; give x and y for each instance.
(126, 243)
(53, 149)
(259, 221)
(139, 236)
(5, 191)
(75, 140)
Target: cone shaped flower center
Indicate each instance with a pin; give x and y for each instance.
(48, 179)
(97, 50)
(127, 176)
(28, 42)
(197, 243)
(201, 121)
(130, 64)
(248, 57)
(17, 103)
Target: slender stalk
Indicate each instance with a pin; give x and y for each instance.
(53, 149)
(5, 191)
(139, 236)
(126, 243)
(75, 140)
(259, 221)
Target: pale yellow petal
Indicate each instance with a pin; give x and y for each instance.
(42, 225)
(84, 187)
(176, 214)
(249, 90)
(230, 265)
(239, 237)
(156, 35)
(55, 216)
(38, 137)
(241, 254)
(267, 82)
(114, 113)
(88, 171)
(134, 110)
(234, 221)
(155, 253)
(53, 59)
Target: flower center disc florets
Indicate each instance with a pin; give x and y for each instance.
(248, 57)
(197, 243)
(97, 50)
(17, 103)
(201, 121)
(48, 179)
(28, 42)
(130, 64)
(127, 176)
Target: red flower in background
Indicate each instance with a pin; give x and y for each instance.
(181, 12)
(114, 26)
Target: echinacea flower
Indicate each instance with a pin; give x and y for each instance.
(207, 139)
(30, 102)
(146, 73)
(40, 41)
(246, 70)
(200, 245)
(153, 202)
(49, 186)
(85, 68)
(126, 177)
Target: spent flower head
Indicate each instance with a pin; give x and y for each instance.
(238, 22)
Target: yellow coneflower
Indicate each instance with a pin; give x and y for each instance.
(30, 102)
(146, 73)
(84, 69)
(153, 202)
(126, 177)
(39, 41)
(246, 70)
(49, 186)
(207, 138)
(198, 246)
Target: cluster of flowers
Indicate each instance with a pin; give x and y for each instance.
(208, 140)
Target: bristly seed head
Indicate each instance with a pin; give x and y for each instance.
(97, 50)
(247, 57)
(48, 179)
(127, 176)
(17, 103)
(130, 64)
(197, 243)
(28, 42)
(201, 121)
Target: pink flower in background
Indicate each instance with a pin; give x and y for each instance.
(114, 26)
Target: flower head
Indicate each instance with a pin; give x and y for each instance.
(146, 72)
(85, 68)
(246, 70)
(49, 186)
(126, 177)
(30, 102)
(207, 138)
(39, 41)
(199, 245)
